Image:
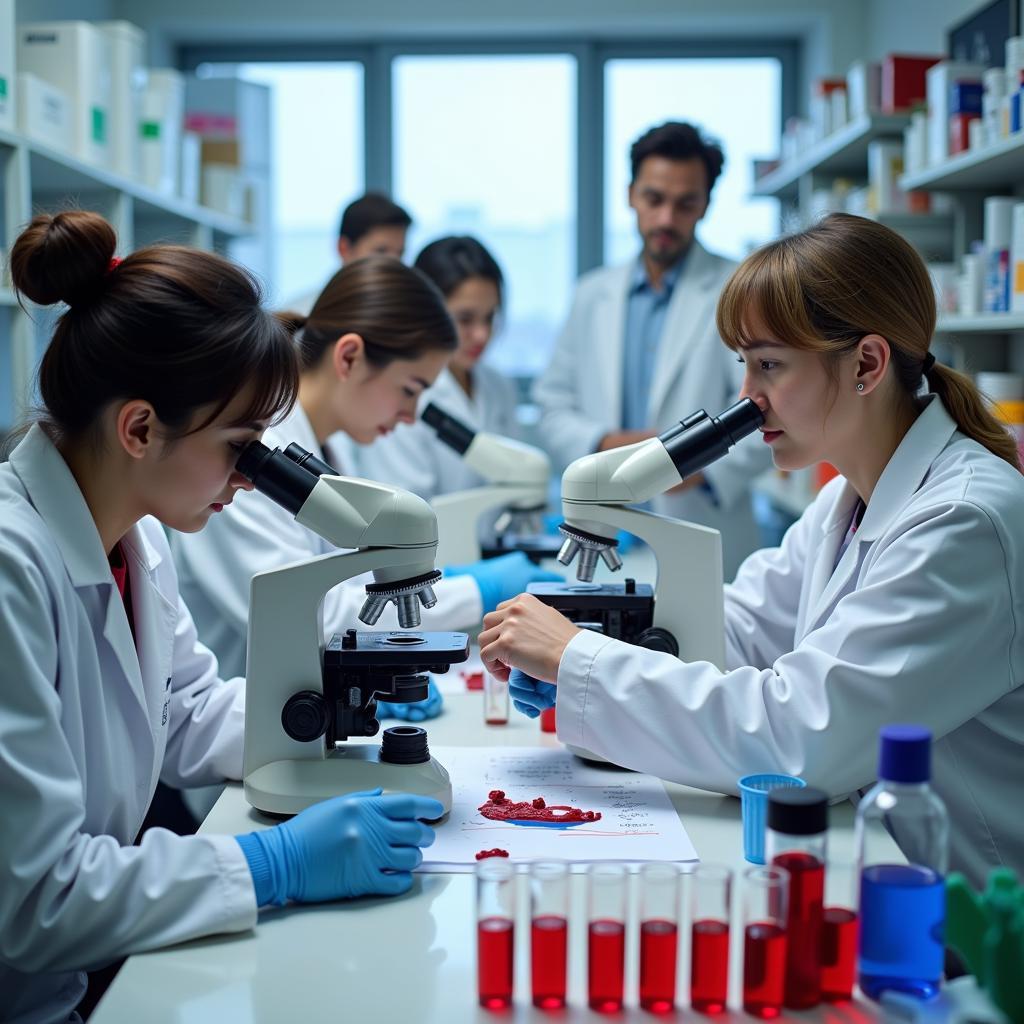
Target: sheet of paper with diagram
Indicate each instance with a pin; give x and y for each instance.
(538, 804)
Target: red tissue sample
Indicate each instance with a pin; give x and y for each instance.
(499, 808)
(496, 852)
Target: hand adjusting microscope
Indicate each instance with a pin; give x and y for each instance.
(688, 617)
(517, 478)
(302, 697)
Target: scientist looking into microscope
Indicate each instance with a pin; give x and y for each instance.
(376, 339)
(413, 456)
(897, 596)
(640, 349)
(106, 688)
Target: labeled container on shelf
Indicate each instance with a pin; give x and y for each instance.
(863, 89)
(994, 82)
(998, 240)
(903, 81)
(127, 44)
(885, 166)
(1017, 260)
(8, 85)
(160, 129)
(950, 84)
(44, 112)
(74, 56)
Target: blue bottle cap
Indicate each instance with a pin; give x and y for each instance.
(905, 754)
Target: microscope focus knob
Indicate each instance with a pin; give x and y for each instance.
(305, 716)
(657, 639)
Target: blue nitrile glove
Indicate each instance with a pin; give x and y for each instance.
(529, 695)
(503, 577)
(416, 710)
(347, 846)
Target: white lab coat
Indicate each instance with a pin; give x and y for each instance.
(253, 534)
(921, 621)
(413, 457)
(89, 720)
(580, 393)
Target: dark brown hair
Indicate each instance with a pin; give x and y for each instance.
(179, 328)
(678, 140)
(825, 288)
(373, 210)
(397, 311)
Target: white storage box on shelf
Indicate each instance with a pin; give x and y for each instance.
(230, 108)
(8, 86)
(44, 112)
(939, 79)
(127, 45)
(160, 128)
(223, 189)
(75, 57)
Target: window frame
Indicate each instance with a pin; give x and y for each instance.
(591, 56)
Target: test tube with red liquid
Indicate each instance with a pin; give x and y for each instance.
(495, 931)
(495, 700)
(840, 923)
(549, 932)
(659, 935)
(606, 936)
(765, 906)
(710, 908)
(797, 841)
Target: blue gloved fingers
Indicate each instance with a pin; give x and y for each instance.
(409, 807)
(405, 858)
(392, 883)
(361, 793)
(530, 691)
(415, 714)
(526, 709)
(409, 833)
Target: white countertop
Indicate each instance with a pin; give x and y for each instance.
(411, 959)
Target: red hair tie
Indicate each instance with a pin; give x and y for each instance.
(115, 262)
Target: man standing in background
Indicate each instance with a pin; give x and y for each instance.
(640, 350)
(371, 225)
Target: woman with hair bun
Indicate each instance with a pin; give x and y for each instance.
(162, 368)
(897, 596)
(473, 287)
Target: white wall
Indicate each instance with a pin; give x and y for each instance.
(63, 10)
(914, 26)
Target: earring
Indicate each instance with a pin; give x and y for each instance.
(860, 387)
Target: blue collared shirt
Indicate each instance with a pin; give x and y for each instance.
(646, 309)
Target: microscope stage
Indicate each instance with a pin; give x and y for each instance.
(366, 648)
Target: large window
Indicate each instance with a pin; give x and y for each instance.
(737, 101)
(317, 132)
(485, 146)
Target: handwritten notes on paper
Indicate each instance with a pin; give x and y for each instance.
(638, 822)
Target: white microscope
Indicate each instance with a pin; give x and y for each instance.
(688, 618)
(304, 697)
(517, 478)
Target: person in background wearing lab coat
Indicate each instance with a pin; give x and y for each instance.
(897, 596)
(412, 456)
(376, 339)
(639, 351)
(372, 225)
(105, 687)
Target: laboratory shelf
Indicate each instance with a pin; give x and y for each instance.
(979, 323)
(997, 166)
(842, 152)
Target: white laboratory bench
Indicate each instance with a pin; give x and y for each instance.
(411, 959)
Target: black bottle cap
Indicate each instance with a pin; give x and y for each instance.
(797, 812)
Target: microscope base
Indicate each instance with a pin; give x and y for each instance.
(287, 787)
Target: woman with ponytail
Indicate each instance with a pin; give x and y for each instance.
(897, 596)
(163, 366)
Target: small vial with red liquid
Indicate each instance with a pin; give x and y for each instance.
(547, 720)
(839, 931)
(765, 907)
(797, 841)
(659, 935)
(549, 932)
(495, 700)
(495, 931)
(710, 912)
(606, 936)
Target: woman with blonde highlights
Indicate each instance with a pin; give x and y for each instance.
(897, 596)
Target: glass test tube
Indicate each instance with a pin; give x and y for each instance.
(495, 700)
(495, 931)
(839, 929)
(606, 936)
(710, 907)
(549, 930)
(765, 907)
(659, 936)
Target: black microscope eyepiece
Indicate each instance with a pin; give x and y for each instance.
(277, 476)
(700, 439)
(452, 431)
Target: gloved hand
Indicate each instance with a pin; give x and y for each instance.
(503, 577)
(347, 846)
(529, 695)
(417, 710)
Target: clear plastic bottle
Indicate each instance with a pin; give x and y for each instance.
(902, 906)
